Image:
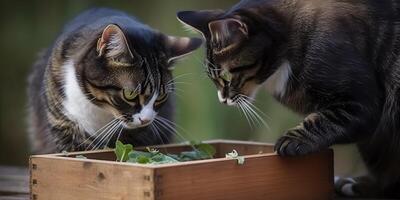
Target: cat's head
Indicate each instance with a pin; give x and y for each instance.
(128, 72)
(239, 51)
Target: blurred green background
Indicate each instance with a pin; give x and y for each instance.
(29, 26)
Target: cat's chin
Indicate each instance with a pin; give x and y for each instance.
(230, 102)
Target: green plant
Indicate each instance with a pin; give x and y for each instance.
(125, 153)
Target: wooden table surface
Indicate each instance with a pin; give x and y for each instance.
(14, 183)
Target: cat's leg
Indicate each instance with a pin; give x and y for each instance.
(342, 123)
(364, 186)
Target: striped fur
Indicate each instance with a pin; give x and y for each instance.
(78, 89)
(342, 73)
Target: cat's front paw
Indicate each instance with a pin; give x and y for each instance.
(294, 145)
(364, 186)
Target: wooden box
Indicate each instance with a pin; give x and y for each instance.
(264, 175)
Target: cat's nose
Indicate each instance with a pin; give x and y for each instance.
(144, 120)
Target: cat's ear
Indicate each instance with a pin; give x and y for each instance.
(113, 43)
(178, 47)
(228, 33)
(198, 20)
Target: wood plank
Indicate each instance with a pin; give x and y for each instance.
(68, 178)
(305, 178)
(15, 197)
(14, 183)
(244, 149)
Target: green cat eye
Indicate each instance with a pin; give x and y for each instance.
(226, 75)
(129, 94)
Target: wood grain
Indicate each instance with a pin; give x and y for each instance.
(266, 175)
(22, 174)
(68, 178)
(14, 183)
(261, 177)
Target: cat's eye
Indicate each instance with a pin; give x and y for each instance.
(226, 75)
(129, 94)
(162, 97)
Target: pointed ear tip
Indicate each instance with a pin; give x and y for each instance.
(112, 27)
(197, 41)
(183, 14)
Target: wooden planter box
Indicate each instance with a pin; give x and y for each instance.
(264, 175)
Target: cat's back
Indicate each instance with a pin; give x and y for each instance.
(95, 17)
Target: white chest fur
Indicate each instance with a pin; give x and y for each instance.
(78, 107)
(277, 82)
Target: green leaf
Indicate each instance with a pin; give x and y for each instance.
(207, 149)
(150, 158)
(190, 155)
(142, 160)
(125, 153)
(122, 151)
(135, 154)
(162, 159)
(202, 150)
(174, 156)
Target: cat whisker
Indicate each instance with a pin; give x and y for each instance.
(98, 136)
(165, 125)
(179, 76)
(208, 70)
(108, 142)
(162, 133)
(120, 126)
(119, 134)
(156, 131)
(239, 106)
(179, 82)
(176, 93)
(245, 97)
(169, 125)
(210, 63)
(256, 116)
(256, 108)
(175, 89)
(108, 132)
(251, 114)
(246, 113)
(109, 135)
(101, 129)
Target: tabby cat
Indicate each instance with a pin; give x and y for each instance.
(335, 61)
(106, 76)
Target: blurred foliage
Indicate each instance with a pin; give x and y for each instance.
(29, 26)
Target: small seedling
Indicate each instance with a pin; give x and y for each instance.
(125, 153)
(122, 151)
